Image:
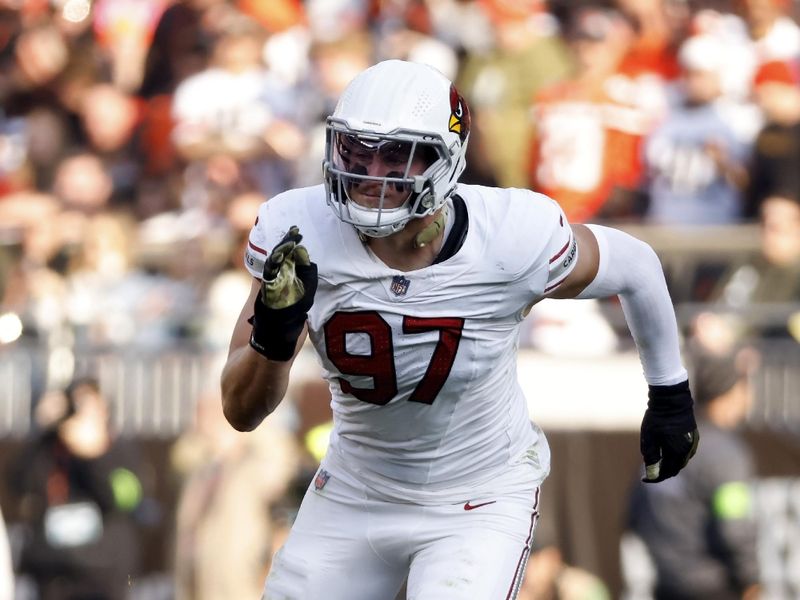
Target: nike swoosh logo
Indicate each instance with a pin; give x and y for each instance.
(469, 506)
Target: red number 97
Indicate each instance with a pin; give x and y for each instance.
(379, 363)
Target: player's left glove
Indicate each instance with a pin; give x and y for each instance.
(669, 434)
(288, 286)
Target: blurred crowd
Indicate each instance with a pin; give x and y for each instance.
(138, 138)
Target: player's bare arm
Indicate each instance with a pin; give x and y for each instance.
(252, 386)
(268, 334)
(613, 263)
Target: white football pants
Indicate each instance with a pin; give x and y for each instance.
(347, 545)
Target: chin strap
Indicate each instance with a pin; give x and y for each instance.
(432, 231)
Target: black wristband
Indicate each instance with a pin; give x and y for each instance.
(667, 399)
(276, 331)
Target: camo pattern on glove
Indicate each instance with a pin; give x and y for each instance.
(288, 285)
(281, 287)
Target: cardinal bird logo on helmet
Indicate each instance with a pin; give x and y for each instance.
(459, 114)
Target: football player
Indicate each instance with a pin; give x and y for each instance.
(411, 288)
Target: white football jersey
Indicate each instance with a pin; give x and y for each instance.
(422, 364)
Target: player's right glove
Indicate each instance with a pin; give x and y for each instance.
(288, 285)
(669, 434)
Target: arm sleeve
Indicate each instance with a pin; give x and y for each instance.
(630, 269)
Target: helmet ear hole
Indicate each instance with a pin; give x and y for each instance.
(427, 199)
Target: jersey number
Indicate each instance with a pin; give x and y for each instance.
(379, 363)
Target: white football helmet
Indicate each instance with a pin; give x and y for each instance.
(399, 112)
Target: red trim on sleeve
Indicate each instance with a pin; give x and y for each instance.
(560, 252)
(553, 286)
(261, 250)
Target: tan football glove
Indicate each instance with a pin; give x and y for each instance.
(281, 286)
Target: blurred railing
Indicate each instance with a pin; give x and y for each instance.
(15, 392)
(152, 395)
(777, 387)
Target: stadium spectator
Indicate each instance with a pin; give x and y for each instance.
(336, 20)
(585, 150)
(83, 183)
(222, 109)
(699, 527)
(230, 484)
(123, 30)
(33, 289)
(236, 109)
(776, 150)
(772, 29)
(753, 32)
(499, 82)
(41, 54)
(695, 161)
(405, 33)
(114, 301)
(763, 293)
(335, 63)
(661, 26)
(15, 163)
(48, 138)
(180, 47)
(464, 26)
(110, 120)
(549, 577)
(77, 487)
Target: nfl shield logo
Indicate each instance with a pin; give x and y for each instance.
(399, 285)
(321, 479)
